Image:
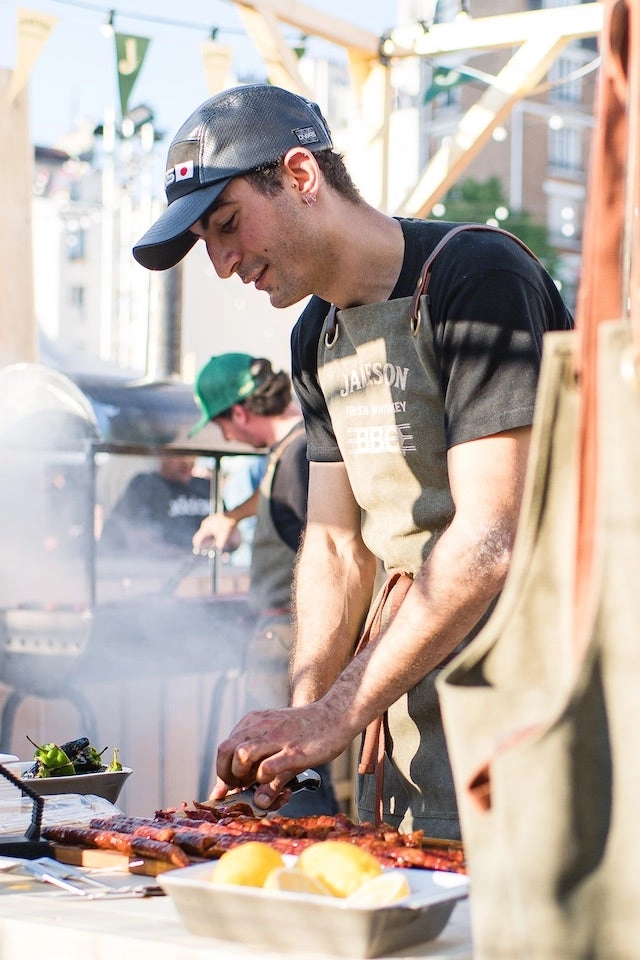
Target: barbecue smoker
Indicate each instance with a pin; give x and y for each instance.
(46, 594)
(56, 435)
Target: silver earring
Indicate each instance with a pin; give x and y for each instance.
(309, 198)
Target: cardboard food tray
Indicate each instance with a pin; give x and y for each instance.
(302, 922)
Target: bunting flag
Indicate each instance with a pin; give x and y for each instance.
(216, 59)
(130, 53)
(445, 78)
(32, 32)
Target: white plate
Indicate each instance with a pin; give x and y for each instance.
(105, 784)
(305, 923)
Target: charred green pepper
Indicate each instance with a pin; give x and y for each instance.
(115, 766)
(84, 757)
(51, 760)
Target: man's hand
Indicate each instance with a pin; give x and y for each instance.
(218, 531)
(271, 746)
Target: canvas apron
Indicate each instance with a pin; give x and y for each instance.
(542, 710)
(378, 372)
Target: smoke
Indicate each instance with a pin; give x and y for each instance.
(143, 653)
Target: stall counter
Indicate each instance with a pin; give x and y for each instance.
(43, 925)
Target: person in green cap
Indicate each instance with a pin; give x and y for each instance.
(251, 403)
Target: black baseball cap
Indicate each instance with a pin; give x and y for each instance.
(236, 131)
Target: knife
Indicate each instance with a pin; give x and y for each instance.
(73, 880)
(307, 780)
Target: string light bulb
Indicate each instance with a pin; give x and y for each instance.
(108, 29)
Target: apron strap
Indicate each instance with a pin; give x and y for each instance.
(373, 744)
(425, 273)
(381, 614)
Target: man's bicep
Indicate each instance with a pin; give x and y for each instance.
(487, 477)
(331, 499)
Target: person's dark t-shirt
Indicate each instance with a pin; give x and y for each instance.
(166, 509)
(289, 492)
(490, 304)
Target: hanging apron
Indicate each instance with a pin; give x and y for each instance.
(273, 561)
(378, 372)
(542, 710)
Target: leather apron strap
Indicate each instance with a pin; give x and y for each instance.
(425, 273)
(373, 744)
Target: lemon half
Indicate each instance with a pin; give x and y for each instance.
(247, 865)
(342, 867)
(292, 880)
(381, 891)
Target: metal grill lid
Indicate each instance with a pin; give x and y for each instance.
(42, 409)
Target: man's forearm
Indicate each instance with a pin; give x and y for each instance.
(451, 592)
(333, 591)
(248, 508)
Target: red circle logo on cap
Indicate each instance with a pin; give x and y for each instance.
(184, 171)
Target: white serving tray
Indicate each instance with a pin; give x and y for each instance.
(101, 784)
(303, 923)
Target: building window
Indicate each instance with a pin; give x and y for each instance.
(565, 219)
(565, 149)
(77, 297)
(76, 243)
(567, 88)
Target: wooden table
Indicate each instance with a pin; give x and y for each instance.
(40, 924)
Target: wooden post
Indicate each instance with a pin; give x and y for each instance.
(18, 332)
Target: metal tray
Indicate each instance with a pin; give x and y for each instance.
(304, 923)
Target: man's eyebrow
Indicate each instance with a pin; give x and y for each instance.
(219, 203)
(214, 208)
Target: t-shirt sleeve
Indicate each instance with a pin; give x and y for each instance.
(488, 335)
(321, 441)
(490, 304)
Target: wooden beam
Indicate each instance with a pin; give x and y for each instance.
(281, 62)
(18, 334)
(318, 24)
(492, 33)
(539, 48)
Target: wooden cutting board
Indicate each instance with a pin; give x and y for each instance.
(100, 859)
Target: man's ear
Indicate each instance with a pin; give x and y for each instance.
(301, 168)
(239, 413)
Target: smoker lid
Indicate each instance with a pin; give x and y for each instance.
(41, 409)
(141, 411)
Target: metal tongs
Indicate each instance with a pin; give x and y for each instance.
(73, 880)
(307, 780)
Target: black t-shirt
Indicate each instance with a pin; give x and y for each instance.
(166, 510)
(490, 304)
(289, 492)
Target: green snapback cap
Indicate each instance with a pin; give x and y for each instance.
(224, 380)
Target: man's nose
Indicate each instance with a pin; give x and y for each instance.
(225, 260)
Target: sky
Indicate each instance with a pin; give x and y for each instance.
(74, 80)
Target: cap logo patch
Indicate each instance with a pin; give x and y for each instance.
(306, 135)
(184, 171)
